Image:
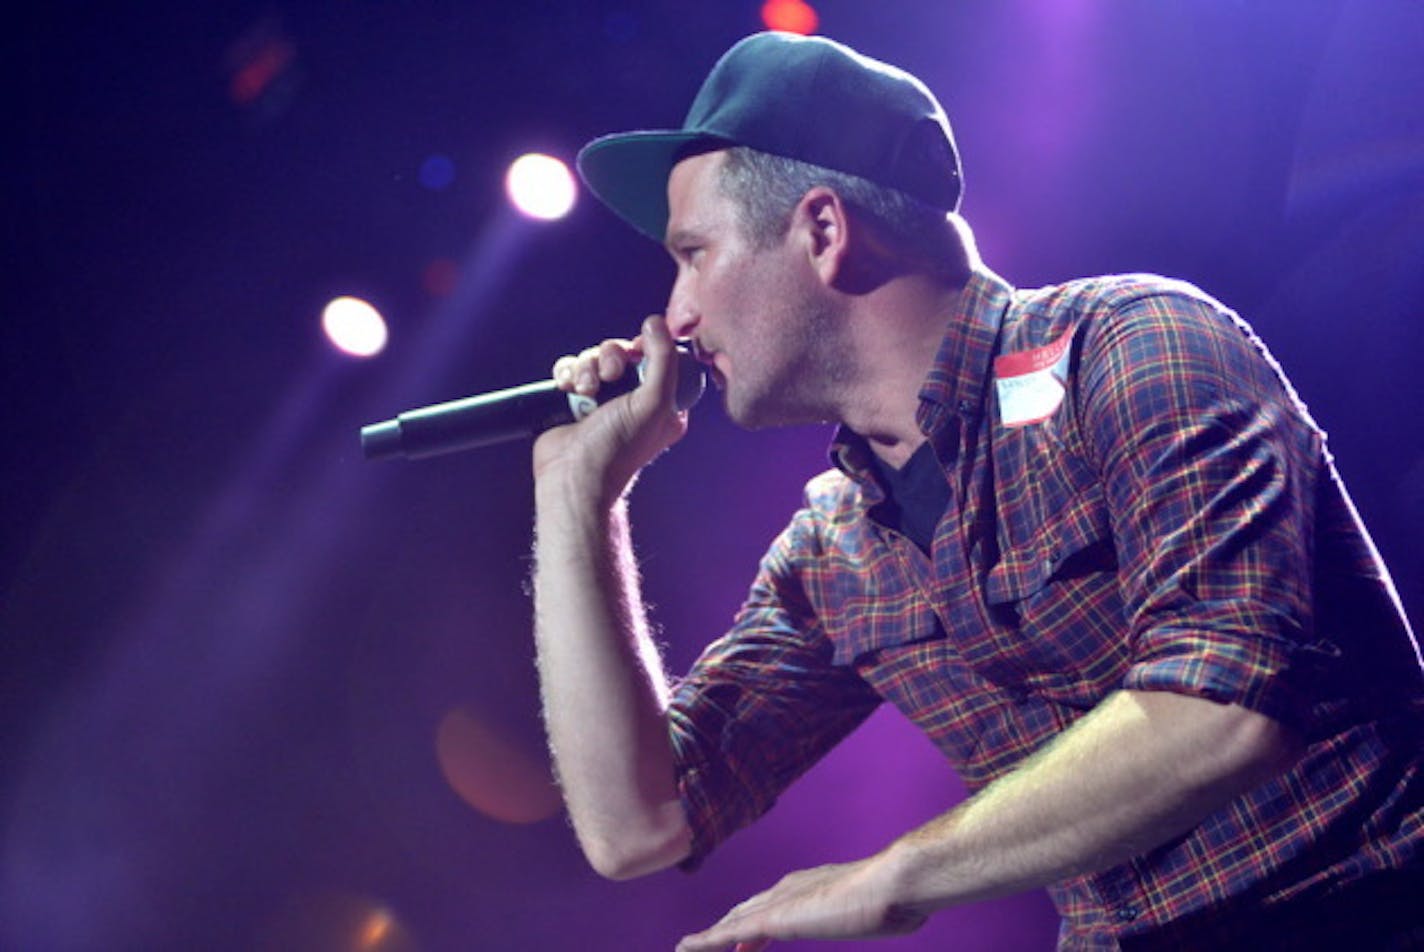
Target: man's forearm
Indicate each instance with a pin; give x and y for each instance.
(1138, 770)
(1141, 768)
(604, 691)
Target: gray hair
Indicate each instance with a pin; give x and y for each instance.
(767, 187)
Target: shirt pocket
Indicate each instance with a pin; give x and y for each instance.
(1056, 546)
(1054, 601)
(869, 604)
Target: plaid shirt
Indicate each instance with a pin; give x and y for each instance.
(1137, 501)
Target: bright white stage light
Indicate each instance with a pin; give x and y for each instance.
(354, 327)
(540, 186)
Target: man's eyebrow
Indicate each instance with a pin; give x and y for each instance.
(676, 238)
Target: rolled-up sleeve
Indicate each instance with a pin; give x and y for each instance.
(764, 702)
(1209, 463)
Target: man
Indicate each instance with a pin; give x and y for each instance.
(1085, 537)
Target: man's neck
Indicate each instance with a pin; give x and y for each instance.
(897, 333)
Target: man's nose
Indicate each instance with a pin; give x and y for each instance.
(682, 316)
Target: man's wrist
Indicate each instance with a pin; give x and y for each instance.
(899, 870)
(919, 873)
(573, 488)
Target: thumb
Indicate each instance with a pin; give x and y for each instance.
(660, 368)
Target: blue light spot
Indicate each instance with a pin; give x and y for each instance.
(437, 172)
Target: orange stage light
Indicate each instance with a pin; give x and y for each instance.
(790, 16)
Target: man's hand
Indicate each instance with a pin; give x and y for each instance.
(842, 901)
(606, 451)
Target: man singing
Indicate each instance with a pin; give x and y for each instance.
(1085, 537)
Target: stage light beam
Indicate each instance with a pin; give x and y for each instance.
(354, 327)
(540, 186)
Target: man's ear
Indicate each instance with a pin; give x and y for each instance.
(824, 225)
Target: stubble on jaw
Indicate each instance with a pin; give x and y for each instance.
(805, 390)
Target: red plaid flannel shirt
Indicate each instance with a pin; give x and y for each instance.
(1172, 522)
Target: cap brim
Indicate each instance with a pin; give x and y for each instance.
(629, 172)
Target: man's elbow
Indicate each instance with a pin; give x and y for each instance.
(1260, 746)
(624, 856)
(1223, 746)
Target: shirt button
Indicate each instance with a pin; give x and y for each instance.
(1128, 913)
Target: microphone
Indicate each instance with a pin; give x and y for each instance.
(512, 414)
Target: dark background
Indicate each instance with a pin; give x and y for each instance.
(258, 693)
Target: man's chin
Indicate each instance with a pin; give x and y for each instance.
(743, 413)
(752, 414)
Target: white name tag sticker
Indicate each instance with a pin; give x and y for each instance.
(1031, 384)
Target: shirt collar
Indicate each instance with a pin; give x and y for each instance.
(957, 381)
(960, 374)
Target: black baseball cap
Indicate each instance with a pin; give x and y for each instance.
(806, 98)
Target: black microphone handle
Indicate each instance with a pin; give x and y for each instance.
(505, 415)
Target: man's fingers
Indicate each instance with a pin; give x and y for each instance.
(719, 938)
(610, 358)
(660, 367)
(586, 371)
(586, 376)
(563, 372)
(734, 931)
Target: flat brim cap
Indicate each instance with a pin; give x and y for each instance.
(805, 98)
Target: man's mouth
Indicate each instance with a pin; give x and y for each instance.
(708, 359)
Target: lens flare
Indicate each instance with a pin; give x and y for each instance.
(541, 186)
(791, 16)
(493, 774)
(354, 327)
